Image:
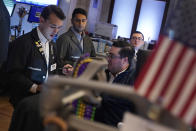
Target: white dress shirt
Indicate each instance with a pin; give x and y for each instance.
(45, 46)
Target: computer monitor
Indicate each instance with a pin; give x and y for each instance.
(39, 2)
(34, 13)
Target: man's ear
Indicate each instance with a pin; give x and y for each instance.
(41, 20)
(125, 60)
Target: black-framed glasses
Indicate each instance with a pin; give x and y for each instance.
(111, 56)
(136, 38)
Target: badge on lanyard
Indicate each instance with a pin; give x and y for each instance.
(53, 67)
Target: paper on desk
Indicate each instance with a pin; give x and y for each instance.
(134, 123)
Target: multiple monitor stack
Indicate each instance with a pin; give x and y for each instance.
(35, 13)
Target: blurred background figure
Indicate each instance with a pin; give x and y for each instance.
(4, 38)
(137, 40)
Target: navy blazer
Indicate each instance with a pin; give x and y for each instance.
(27, 65)
(4, 32)
(113, 108)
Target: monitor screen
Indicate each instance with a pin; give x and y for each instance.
(39, 2)
(35, 13)
(9, 5)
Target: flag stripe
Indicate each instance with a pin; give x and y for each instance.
(190, 114)
(146, 66)
(173, 87)
(194, 122)
(189, 83)
(161, 62)
(188, 102)
(185, 72)
(169, 76)
(154, 66)
(172, 74)
(166, 69)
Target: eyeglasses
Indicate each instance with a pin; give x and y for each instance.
(136, 38)
(111, 56)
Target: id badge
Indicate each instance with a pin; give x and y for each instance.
(53, 67)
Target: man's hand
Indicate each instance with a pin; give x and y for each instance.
(35, 88)
(67, 70)
(39, 88)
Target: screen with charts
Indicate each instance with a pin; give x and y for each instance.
(35, 13)
(39, 2)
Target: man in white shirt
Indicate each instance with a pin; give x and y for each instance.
(137, 40)
(141, 54)
(32, 57)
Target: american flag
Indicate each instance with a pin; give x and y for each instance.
(169, 75)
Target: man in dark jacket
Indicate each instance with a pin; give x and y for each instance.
(4, 38)
(4, 32)
(137, 40)
(72, 44)
(120, 59)
(32, 57)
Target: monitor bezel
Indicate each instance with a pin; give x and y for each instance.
(29, 3)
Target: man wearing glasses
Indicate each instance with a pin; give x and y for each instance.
(120, 59)
(141, 55)
(112, 108)
(137, 40)
(72, 44)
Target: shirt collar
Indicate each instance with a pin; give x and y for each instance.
(121, 71)
(78, 35)
(42, 38)
(136, 50)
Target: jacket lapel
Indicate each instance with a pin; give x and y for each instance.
(38, 45)
(85, 45)
(75, 40)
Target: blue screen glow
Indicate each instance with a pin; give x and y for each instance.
(39, 2)
(150, 19)
(123, 15)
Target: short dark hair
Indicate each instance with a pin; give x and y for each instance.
(121, 44)
(125, 51)
(79, 11)
(52, 9)
(138, 32)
